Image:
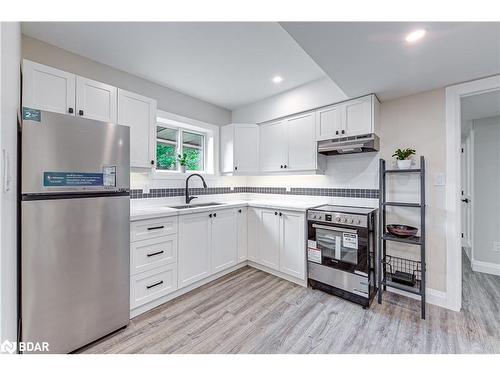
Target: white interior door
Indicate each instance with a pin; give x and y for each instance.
(96, 100)
(466, 194)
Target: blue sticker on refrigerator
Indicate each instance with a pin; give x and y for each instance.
(71, 179)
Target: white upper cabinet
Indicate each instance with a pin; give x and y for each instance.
(224, 239)
(139, 113)
(302, 151)
(347, 119)
(239, 147)
(273, 146)
(329, 122)
(48, 89)
(358, 117)
(292, 244)
(95, 100)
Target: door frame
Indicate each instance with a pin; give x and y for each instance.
(453, 210)
(468, 166)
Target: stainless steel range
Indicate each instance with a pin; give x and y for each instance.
(341, 251)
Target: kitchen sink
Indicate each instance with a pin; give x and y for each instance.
(185, 206)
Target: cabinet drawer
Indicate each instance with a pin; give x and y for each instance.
(149, 254)
(146, 229)
(150, 285)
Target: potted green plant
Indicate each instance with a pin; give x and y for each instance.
(182, 159)
(403, 157)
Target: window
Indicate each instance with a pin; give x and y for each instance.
(174, 141)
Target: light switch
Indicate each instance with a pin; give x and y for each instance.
(439, 179)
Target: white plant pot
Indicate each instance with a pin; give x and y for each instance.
(404, 164)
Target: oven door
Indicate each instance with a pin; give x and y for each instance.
(345, 248)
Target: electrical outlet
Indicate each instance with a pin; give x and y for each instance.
(231, 188)
(496, 246)
(288, 189)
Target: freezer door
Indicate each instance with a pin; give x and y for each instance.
(66, 144)
(75, 270)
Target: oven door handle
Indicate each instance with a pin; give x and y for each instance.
(327, 227)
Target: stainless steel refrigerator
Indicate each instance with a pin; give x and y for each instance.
(75, 229)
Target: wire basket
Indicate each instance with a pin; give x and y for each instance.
(403, 271)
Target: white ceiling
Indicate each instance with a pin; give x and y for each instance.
(227, 64)
(480, 106)
(366, 57)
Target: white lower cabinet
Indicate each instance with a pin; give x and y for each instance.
(224, 240)
(269, 239)
(194, 258)
(150, 285)
(292, 244)
(253, 218)
(242, 224)
(276, 240)
(152, 253)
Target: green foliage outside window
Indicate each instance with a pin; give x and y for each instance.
(166, 157)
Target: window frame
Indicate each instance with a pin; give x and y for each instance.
(210, 135)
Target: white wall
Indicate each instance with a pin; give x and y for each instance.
(486, 199)
(10, 56)
(308, 96)
(168, 100)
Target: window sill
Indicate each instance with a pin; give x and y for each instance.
(174, 175)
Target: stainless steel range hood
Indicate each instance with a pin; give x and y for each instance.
(349, 145)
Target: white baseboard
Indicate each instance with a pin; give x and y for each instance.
(433, 296)
(278, 273)
(486, 267)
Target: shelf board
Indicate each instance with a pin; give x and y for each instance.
(406, 288)
(414, 240)
(410, 170)
(401, 204)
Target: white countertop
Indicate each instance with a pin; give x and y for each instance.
(157, 207)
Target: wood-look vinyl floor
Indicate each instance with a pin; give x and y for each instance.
(249, 311)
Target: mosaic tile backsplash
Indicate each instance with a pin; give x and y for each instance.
(323, 192)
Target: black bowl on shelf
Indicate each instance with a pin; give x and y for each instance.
(400, 230)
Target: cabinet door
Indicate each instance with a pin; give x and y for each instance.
(253, 217)
(224, 240)
(48, 89)
(302, 149)
(242, 220)
(246, 148)
(268, 252)
(139, 113)
(273, 146)
(227, 149)
(194, 257)
(358, 117)
(96, 100)
(292, 244)
(329, 123)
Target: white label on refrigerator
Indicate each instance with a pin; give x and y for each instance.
(350, 240)
(312, 244)
(314, 255)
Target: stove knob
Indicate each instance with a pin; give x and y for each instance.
(351, 221)
(338, 219)
(344, 220)
(358, 222)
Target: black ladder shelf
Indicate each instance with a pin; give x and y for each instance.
(390, 265)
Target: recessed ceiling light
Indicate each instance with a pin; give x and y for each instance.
(277, 79)
(415, 35)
